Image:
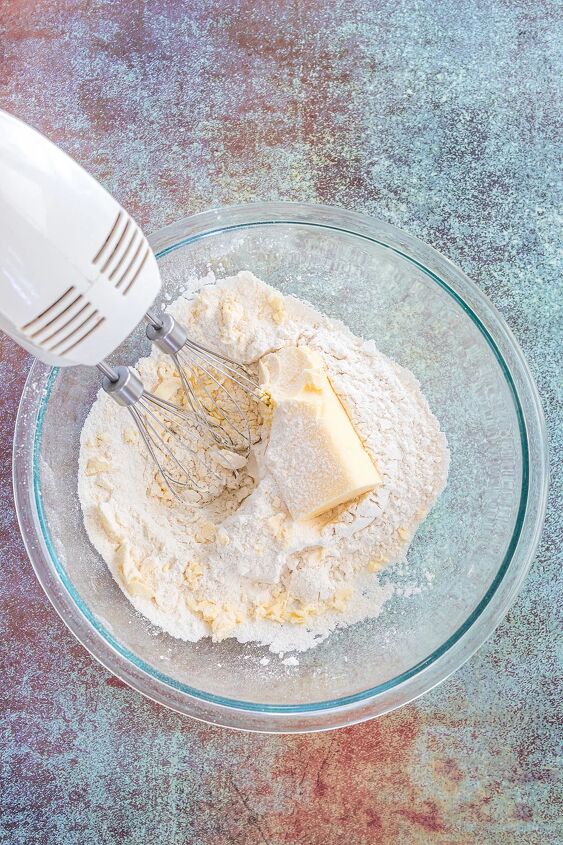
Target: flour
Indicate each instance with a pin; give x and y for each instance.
(234, 563)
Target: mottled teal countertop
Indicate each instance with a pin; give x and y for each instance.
(440, 117)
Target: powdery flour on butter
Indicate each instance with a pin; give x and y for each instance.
(237, 565)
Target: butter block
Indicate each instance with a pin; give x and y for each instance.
(314, 452)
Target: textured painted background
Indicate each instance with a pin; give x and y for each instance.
(437, 116)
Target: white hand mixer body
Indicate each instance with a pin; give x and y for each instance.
(76, 273)
(77, 276)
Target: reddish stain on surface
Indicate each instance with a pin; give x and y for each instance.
(427, 819)
(448, 773)
(112, 681)
(357, 782)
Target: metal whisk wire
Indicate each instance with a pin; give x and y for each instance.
(168, 433)
(222, 414)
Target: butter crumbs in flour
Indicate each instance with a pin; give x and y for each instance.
(237, 564)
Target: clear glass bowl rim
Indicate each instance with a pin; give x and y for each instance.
(436, 666)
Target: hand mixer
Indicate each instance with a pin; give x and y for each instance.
(76, 278)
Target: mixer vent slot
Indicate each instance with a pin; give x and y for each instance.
(106, 244)
(86, 333)
(64, 324)
(136, 264)
(51, 314)
(123, 253)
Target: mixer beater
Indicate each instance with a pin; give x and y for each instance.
(197, 366)
(170, 431)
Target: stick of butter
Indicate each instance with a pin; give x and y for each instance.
(314, 453)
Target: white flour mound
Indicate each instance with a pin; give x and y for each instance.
(236, 564)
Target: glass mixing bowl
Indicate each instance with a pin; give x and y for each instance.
(469, 557)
